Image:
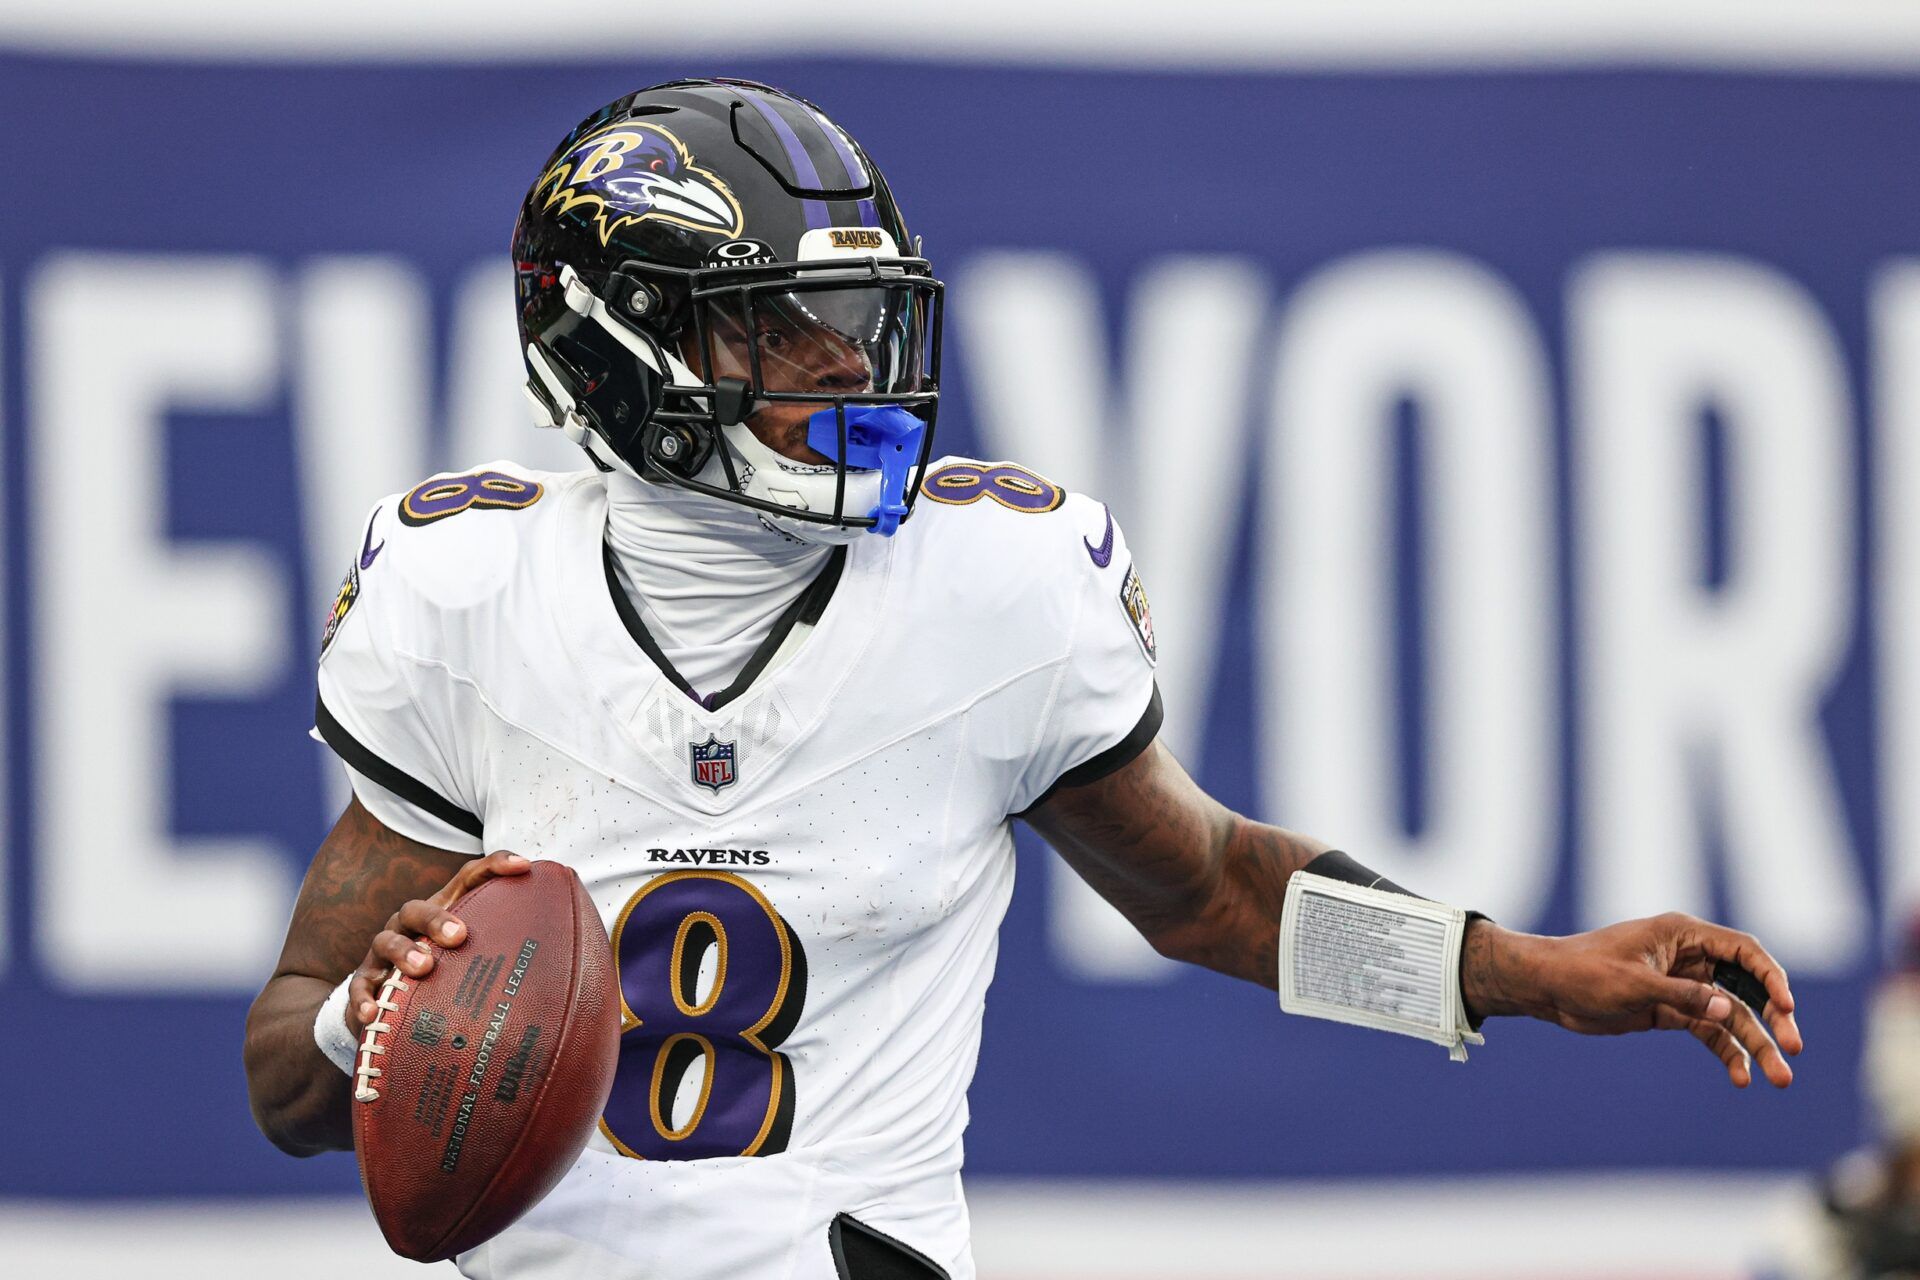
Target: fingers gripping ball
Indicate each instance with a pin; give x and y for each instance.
(1739, 981)
(479, 1083)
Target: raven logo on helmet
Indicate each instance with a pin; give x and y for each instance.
(627, 173)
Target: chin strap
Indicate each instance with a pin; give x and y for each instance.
(879, 437)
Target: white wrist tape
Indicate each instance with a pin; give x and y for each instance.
(330, 1028)
(1374, 959)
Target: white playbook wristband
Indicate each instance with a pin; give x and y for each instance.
(1374, 958)
(330, 1028)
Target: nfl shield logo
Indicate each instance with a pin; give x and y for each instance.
(712, 763)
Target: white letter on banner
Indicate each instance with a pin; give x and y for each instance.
(1896, 582)
(125, 621)
(1677, 675)
(1166, 451)
(1447, 334)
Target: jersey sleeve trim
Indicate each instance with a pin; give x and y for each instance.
(1115, 757)
(403, 785)
(407, 819)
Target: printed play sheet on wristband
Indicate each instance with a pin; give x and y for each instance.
(1351, 954)
(1373, 959)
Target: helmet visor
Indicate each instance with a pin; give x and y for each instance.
(821, 339)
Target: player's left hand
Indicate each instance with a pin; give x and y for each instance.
(1642, 975)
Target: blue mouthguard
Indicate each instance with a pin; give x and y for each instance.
(880, 437)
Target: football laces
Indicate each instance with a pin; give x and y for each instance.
(366, 1073)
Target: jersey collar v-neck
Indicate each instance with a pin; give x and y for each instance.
(806, 609)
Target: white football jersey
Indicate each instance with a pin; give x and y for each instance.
(803, 876)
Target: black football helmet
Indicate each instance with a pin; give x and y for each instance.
(696, 252)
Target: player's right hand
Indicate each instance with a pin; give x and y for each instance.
(402, 943)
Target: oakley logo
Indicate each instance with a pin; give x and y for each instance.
(736, 253)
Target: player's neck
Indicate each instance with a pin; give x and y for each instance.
(709, 578)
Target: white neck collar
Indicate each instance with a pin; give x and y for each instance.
(708, 577)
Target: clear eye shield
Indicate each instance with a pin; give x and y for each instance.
(828, 334)
(858, 344)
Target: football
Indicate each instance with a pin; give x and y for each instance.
(479, 1084)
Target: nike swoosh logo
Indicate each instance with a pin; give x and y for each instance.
(368, 552)
(1103, 554)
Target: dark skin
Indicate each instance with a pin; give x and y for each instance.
(1201, 883)
(793, 357)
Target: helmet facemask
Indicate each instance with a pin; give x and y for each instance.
(804, 390)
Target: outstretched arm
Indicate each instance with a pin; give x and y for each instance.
(1205, 885)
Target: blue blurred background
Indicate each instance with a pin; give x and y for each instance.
(1519, 435)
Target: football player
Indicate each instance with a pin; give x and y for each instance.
(775, 681)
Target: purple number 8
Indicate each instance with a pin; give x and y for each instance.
(450, 495)
(745, 1106)
(961, 484)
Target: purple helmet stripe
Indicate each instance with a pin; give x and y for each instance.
(817, 215)
(856, 171)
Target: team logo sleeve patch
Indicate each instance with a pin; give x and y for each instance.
(1133, 602)
(713, 764)
(342, 603)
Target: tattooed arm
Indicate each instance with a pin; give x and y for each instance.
(366, 882)
(1205, 885)
(1200, 882)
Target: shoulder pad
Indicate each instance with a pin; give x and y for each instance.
(1011, 531)
(454, 539)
